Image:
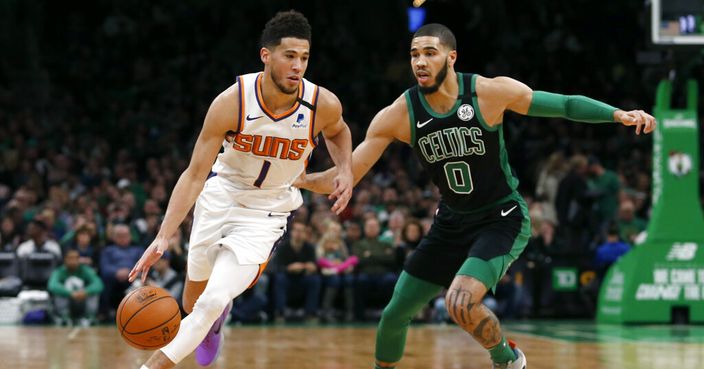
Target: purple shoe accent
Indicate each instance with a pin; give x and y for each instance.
(208, 350)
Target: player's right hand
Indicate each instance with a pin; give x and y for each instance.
(343, 184)
(150, 256)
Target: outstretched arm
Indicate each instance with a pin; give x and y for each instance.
(380, 134)
(503, 93)
(191, 182)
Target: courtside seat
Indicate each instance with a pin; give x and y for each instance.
(9, 265)
(36, 269)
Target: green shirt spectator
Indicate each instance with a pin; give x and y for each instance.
(64, 281)
(375, 256)
(629, 225)
(75, 289)
(604, 186)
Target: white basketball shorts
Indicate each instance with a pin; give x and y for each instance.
(218, 221)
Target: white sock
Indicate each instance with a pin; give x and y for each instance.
(144, 367)
(229, 278)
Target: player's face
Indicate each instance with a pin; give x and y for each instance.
(429, 62)
(287, 63)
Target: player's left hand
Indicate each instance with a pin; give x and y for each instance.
(343, 182)
(642, 120)
(302, 181)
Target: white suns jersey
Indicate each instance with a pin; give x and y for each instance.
(266, 152)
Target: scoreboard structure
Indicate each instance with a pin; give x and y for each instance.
(677, 22)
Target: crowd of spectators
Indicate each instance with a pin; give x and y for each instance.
(101, 106)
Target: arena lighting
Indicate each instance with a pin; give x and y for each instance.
(416, 18)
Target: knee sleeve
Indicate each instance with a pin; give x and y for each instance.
(228, 280)
(400, 310)
(212, 304)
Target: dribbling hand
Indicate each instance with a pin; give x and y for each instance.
(150, 256)
(643, 121)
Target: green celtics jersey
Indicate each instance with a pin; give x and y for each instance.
(464, 157)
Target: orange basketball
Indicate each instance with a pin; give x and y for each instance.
(148, 318)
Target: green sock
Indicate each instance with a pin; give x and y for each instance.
(502, 353)
(411, 294)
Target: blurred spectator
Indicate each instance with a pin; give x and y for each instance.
(147, 225)
(552, 172)
(70, 236)
(392, 234)
(56, 227)
(178, 255)
(336, 267)
(573, 205)
(152, 224)
(298, 275)
(333, 229)
(604, 187)
(538, 256)
(376, 271)
(75, 289)
(438, 312)
(116, 261)
(353, 233)
(9, 235)
(250, 306)
(503, 300)
(629, 225)
(604, 256)
(610, 251)
(320, 223)
(118, 214)
(411, 235)
(85, 244)
(38, 241)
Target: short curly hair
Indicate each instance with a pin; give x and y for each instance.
(285, 24)
(446, 36)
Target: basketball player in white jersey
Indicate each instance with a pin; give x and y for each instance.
(267, 123)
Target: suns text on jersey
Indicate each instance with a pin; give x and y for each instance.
(270, 146)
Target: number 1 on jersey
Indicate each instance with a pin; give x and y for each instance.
(262, 173)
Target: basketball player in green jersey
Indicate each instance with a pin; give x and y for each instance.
(453, 122)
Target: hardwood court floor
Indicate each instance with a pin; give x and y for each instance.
(548, 345)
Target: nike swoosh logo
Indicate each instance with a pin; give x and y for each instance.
(505, 213)
(420, 125)
(253, 118)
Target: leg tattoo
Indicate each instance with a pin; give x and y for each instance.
(488, 331)
(468, 312)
